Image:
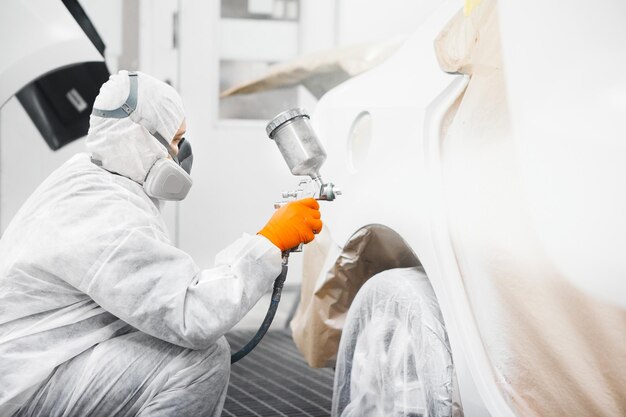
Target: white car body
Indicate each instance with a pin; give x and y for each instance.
(391, 169)
(38, 36)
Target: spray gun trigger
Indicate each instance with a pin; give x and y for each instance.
(290, 194)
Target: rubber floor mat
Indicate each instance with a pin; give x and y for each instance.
(273, 380)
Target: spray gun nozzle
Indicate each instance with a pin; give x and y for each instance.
(328, 192)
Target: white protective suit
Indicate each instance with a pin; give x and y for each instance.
(87, 262)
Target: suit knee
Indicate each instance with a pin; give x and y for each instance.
(217, 358)
(222, 351)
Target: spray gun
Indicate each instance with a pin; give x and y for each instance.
(304, 154)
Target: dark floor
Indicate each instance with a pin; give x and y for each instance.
(274, 380)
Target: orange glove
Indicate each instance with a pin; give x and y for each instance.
(293, 223)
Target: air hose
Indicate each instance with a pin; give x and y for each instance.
(271, 312)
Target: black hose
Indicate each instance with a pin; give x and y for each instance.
(271, 311)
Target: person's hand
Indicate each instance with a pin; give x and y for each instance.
(294, 223)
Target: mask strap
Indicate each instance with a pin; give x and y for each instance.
(165, 143)
(127, 109)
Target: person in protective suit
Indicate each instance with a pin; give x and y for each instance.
(100, 315)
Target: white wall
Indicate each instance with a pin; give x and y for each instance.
(106, 16)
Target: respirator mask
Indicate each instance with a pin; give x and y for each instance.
(168, 178)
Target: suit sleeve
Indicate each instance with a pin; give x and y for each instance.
(158, 289)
